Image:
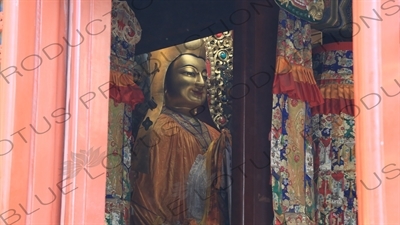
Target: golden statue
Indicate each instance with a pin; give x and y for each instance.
(183, 164)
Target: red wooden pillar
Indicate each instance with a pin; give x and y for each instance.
(43, 122)
(377, 100)
(87, 99)
(32, 88)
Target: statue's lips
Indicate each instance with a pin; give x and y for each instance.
(301, 4)
(198, 92)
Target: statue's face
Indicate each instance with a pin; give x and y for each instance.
(187, 86)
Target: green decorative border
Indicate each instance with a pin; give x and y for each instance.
(302, 14)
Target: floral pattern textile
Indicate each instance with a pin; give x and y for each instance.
(120, 140)
(125, 30)
(292, 161)
(333, 67)
(125, 34)
(124, 96)
(123, 126)
(333, 137)
(294, 40)
(294, 74)
(295, 91)
(335, 169)
(117, 212)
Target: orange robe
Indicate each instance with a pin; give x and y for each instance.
(159, 196)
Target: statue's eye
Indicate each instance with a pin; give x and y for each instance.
(190, 74)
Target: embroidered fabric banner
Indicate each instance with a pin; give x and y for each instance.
(294, 74)
(295, 90)
(125, 95)
(333, 136)
(126, 33)
(118, 187)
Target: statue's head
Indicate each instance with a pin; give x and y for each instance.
(184, 83)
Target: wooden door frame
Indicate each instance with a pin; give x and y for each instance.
(254, 62)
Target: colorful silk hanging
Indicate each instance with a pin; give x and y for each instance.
(295, 91)
(118, 187)
(124, 95)
(333, 136)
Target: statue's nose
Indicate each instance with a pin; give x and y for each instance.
(200, 81)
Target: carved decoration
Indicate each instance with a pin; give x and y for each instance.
(310, 10)
(337, 22)
(219, 53)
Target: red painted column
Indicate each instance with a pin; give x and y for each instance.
(44, 125)
(32, 89)
(87, 99)
(377, 100)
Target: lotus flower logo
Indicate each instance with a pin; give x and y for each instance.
(82, 160)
